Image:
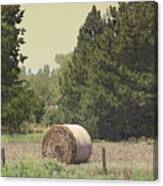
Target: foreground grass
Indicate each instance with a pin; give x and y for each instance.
(53, 169)
(130, 160)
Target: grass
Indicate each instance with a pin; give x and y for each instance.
(125, 160)
(31, 132)
(15, 138)
(53, 169)
(30, 168)
(37, 135)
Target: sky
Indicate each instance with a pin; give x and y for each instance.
(52, 29)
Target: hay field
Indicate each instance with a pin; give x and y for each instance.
(125, 160)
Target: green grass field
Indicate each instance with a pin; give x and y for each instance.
(53, 169)
(18, 138)
(125, 160)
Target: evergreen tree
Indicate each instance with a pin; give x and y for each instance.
(18, 101)
(137, 56)
(76, 79)
(109, 86)
(126, 71)
(11, 39)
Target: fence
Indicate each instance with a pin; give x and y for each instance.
(18, 151)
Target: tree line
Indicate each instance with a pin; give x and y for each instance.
(108, 84)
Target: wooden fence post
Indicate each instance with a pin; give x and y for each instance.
(104, 165)
(3, 156)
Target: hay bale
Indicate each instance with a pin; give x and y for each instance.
(67, 143)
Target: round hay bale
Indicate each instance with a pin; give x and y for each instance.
(68, 143)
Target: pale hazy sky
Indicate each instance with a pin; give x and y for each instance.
(52, 29)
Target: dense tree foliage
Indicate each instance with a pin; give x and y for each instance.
(108, 83)
(110, 86)
(17, 99)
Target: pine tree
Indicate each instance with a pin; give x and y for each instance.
(137, 38)
(109, 84)
(75, 81)
(126, 71)
(11, 39)
(18, 101)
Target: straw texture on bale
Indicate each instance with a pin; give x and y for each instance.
(67, 143)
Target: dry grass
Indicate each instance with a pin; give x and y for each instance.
(125, 154)
(125, 160)
(120, 155)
